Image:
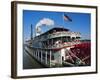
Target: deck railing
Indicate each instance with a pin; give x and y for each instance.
(58, 34)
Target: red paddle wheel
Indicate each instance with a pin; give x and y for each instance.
(80, 54)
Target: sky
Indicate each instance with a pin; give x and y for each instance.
(80, 22)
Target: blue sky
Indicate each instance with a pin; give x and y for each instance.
(80, 21)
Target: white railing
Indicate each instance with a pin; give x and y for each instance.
(67, 44)
(59, 34)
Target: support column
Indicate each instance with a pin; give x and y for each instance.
(38, 54)
(33, 52)
(41, 55)
(46, 57)
(50, 58)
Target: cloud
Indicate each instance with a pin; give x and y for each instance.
(45, 21)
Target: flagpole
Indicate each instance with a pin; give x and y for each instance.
(63, 26)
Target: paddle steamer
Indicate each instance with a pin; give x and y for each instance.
(59, 47)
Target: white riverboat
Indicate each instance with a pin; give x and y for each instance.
(59, 47)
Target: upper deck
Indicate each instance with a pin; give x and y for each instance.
(57, 33)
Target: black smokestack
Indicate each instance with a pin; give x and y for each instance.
(31, 36)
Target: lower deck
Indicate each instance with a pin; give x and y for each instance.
(79, 55)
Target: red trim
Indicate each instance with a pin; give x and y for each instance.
(83, 45)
